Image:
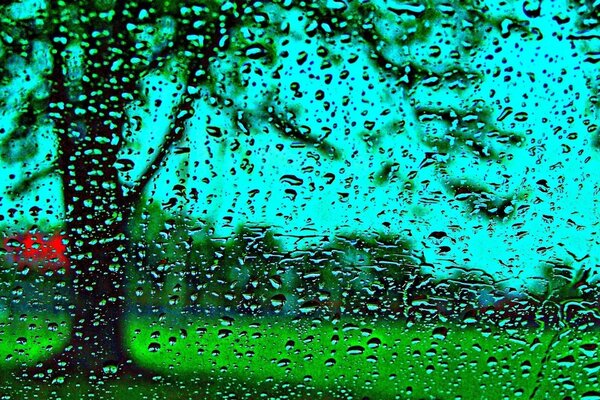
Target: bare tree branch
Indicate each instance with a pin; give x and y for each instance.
(183, 112)
(198, 72)
(288, 128)
(31, 178)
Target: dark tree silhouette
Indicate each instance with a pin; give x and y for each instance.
(85, 96)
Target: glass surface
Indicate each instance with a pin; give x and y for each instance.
(297, 199)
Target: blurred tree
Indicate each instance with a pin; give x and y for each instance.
(251, 265)
(376, 273)
(76, 70)
(569, 296)
(314, 283)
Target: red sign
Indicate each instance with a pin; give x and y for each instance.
(38, 251)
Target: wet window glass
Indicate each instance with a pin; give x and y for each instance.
(297, 199)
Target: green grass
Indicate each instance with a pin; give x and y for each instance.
(26, 339)
(395, 360)
(283, 358)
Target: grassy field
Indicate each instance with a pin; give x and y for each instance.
(28, 338)
(286, 358)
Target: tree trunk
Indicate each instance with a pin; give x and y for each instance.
(89, 117)
(95, 209)
(99, 252)
(97, 339)
(99, 255)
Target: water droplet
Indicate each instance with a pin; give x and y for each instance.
(355, 350)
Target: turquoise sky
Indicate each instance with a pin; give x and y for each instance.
(551, 177)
